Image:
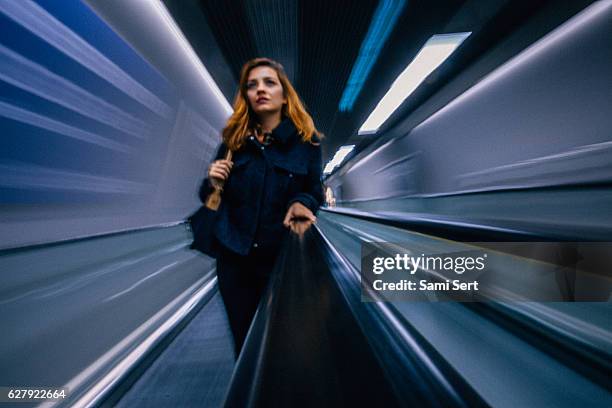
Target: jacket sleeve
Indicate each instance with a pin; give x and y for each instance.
(312, 194)
(206, 187)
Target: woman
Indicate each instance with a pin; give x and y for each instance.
(271, 186)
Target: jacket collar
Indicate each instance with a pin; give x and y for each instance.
(285, 131)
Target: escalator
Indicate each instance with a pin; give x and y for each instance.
(314, 341)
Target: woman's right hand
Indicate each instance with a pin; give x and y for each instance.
(219, 171)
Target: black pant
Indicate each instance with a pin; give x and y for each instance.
(242, 280)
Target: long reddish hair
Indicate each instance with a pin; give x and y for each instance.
(243, 121)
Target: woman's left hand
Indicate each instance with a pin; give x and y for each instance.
(299, 218)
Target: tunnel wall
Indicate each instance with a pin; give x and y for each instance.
(108, 121)
(540, 119)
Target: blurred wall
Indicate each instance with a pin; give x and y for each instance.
(107, 120)
(540, 119)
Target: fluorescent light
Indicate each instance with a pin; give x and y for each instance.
(435, 51)
(384, 20)
(338, 158)
(193, 57)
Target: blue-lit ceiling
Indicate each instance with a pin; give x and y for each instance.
(382, 24)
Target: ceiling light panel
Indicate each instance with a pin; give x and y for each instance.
(435, 51)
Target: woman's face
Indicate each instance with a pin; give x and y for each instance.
(265, 91)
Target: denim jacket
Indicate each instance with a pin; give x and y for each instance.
(263, 183)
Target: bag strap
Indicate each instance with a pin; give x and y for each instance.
(214, 199)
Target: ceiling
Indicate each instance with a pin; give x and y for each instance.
(318, 42)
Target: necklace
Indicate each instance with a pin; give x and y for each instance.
(266, 139)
